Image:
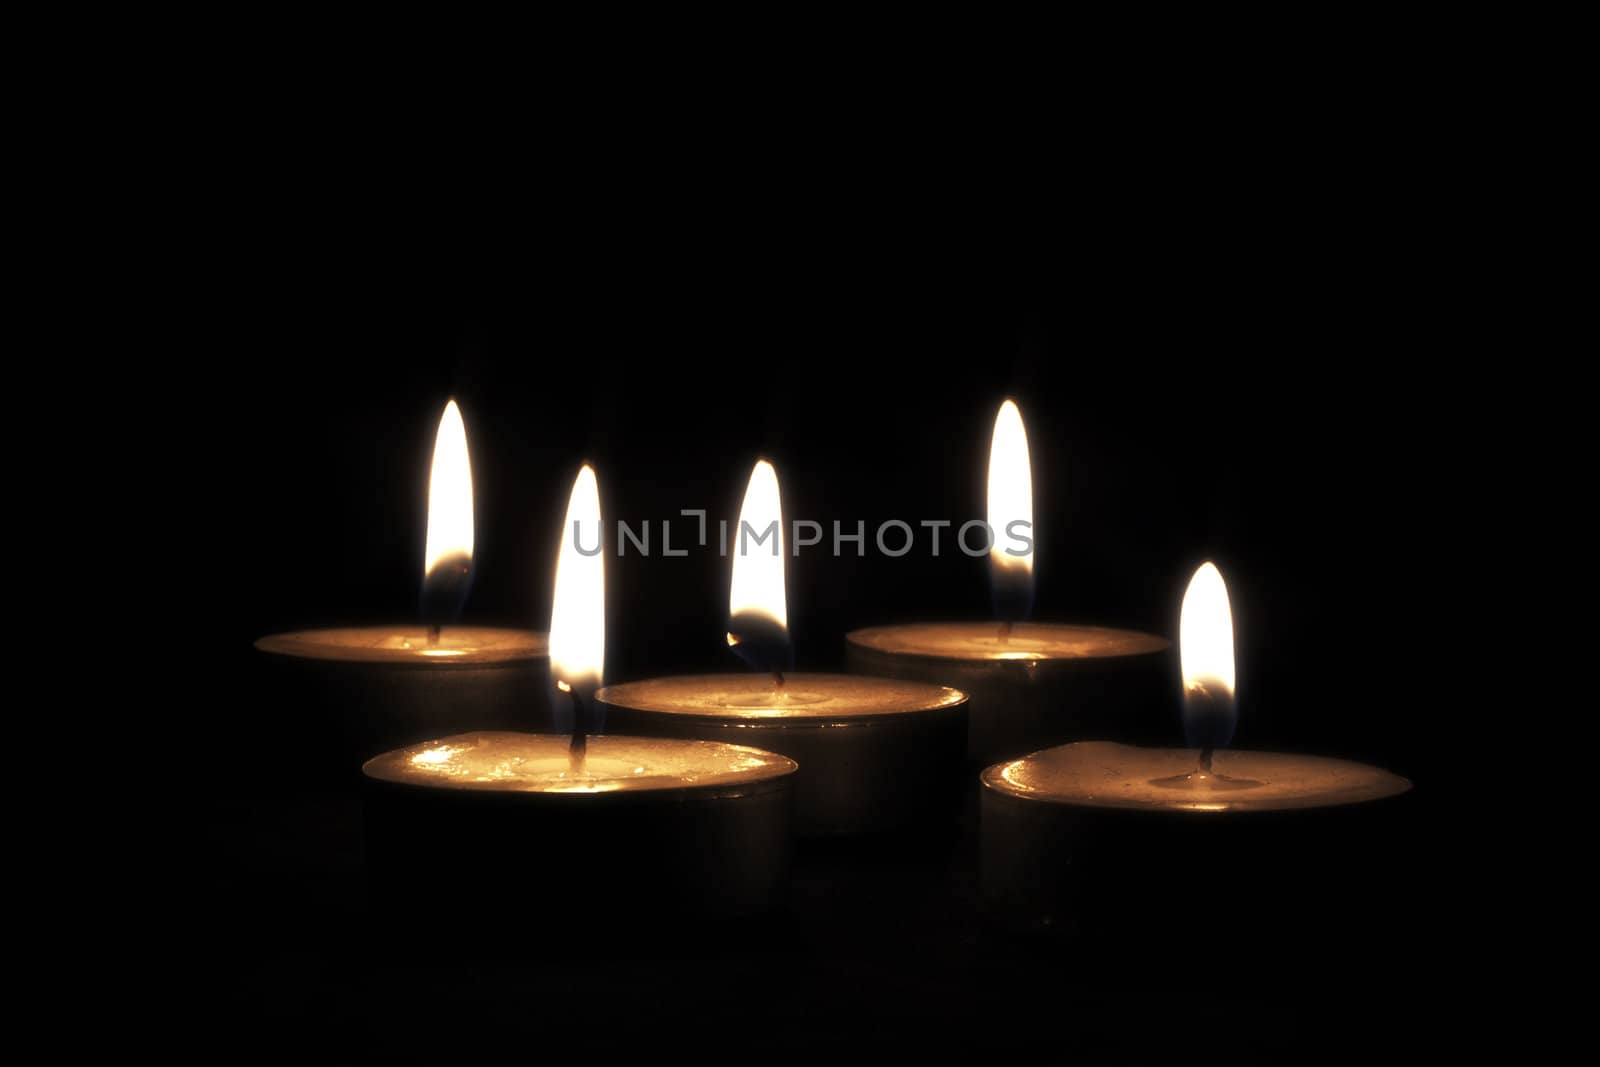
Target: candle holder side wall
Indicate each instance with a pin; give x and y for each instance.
(864, 776)
(364, 709)
(1020, 706)
(1191, 879)
(587, 862)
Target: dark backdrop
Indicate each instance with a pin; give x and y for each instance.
(1246, 414)
(1241, 392)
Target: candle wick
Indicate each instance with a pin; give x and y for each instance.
(777, 679)
(1005, 631)
(433, 636)
(1205, 760)
(578, 750)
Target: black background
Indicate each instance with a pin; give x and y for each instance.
(1243, 413)
(1237, 388)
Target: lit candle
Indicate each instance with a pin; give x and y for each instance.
(874, 753)
(578, 617)
(1031, 684)
(606, 824)
(1205, 649)
(1096, 828)
(393, 684)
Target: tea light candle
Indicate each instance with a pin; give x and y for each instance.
(658, 825)
(874, 753)
(389, 685)
(595, 825)
(1040, 684)
(1098, 830)
(1030, 684)
(382, 686)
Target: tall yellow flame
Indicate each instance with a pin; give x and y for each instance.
(758, 568)
(1010, 488)
(578, 613)
(1205, 632)
(449, 492)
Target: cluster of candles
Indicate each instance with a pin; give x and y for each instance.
(713, 775)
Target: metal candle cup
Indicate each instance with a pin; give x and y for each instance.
(382, 686)
(1038, 685)
(379, 687)
(874, 754)
(1101, 837)
(1030, 684)
(652, 828)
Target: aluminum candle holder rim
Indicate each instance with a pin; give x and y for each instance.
(610, 799)
(943, 700)
(300, 645)
(859, 722)
(774, 776)
(874, 639)
(1381, 785)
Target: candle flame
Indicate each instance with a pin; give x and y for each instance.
(1010, 485)
(757, 587)
(1010, 502)
(578, 614)
(449, 493)
(1205, 633)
